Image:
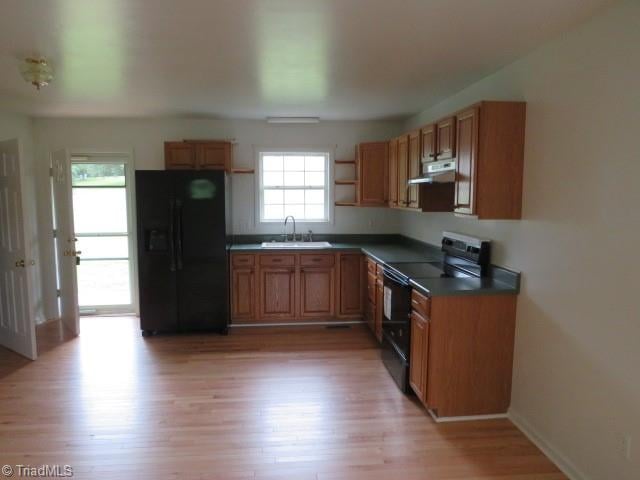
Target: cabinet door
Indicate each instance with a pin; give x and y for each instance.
(179, 156)
(213, 155)
(403, 163)
(373, 162)
(418, 355)
(428, 143)
(243, 294)
(317, 290)
(446, 136)
(467, 147)
(277, 293)
(379, 308)
(414, 169)
(350, 284)
(393, 173)
(370, 316)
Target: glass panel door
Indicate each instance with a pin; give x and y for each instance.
(101, 216)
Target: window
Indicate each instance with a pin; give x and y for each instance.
(294, 184)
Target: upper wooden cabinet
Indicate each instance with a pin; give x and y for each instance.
(372, 163)
(413, 169)
(393, 173)
(196, 155)
(446, 139)
(403, 170)
(428, 145)
(490, 160)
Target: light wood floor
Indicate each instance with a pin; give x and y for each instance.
(315, 404)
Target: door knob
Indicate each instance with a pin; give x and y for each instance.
(20, 263)
(75, 253)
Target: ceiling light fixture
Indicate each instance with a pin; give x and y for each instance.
(293, 119)
(36, 71)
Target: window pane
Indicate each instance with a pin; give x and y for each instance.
(273, 212)
(294, 163)
(294, 196)
(272, 179)
(293, 179)
(314, 179)
(272, 162)
(103, 247)
(97, 210)
(103, 283)
(296, 210)
(273, 197)
(314, 163)
(314, 212)
(314, 196)
(97, 174)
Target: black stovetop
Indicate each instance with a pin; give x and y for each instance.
(427, 270)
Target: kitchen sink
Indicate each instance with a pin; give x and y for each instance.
(296, 245)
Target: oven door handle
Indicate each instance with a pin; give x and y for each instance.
(392, 277)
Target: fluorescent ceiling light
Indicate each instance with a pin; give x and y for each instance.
(293, 119)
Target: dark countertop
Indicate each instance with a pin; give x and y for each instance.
(395, 249)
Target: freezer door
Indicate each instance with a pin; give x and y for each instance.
(155, 209)
(201, 250)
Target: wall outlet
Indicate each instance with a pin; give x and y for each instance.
(624, 442)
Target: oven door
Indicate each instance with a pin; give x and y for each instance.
(396, 323)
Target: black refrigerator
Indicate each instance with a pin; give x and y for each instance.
(182, 251)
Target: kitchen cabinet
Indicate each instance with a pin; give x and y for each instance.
(317, 286)
(393, 173)
(418, 362)
(428, 143)
(374, 297)
(413, 169)
(277, 293)
(350, 285)
(198, 155)
(243, 293)
(379, 305)
(403, 172)
(296, 286)
(446, 139)
(490, 160)
(462, 353)
(372, 163)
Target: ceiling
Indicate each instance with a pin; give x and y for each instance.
(337, 59)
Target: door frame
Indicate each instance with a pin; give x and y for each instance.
(125, 156)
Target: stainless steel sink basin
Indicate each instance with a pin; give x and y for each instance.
(296, 245)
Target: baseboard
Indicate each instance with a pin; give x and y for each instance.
(466, 418)
(563, 463)
(297, 324)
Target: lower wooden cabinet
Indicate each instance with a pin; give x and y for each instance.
(317, 292)
(461, 353)
(277, 293)
(379, 308)
(418, 362)
(243, 293)
(286, 287)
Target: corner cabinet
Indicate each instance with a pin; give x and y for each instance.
(198, 155)
(490, 160)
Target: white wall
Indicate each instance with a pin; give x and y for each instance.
(576, 378)
(146, 138)
(20, 127)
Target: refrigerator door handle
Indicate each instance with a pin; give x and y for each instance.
(179, 234)
(172, 246)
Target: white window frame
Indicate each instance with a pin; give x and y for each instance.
(328, 191)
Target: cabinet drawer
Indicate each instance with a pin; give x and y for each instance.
(371, 266)
(242, 260)
(420, 303)
(278, 260)
(317, 260)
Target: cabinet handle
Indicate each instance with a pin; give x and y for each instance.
(433, 155)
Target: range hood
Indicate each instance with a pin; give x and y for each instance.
(443, 171)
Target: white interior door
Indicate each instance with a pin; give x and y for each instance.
(17, 324)
(66, 241)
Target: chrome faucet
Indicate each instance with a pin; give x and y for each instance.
(285, 227)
